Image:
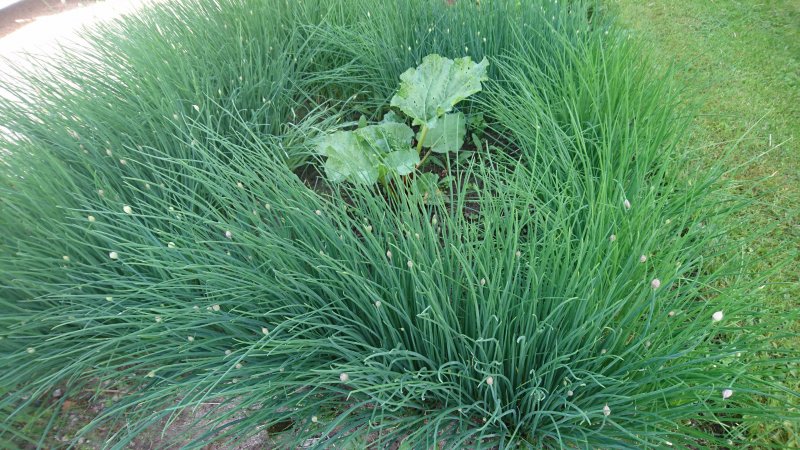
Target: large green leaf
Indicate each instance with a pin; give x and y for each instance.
(446, 134)
(349, 158)
(385, 137)
(436, 85)
(403, 162)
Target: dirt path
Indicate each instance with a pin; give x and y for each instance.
(38, 26)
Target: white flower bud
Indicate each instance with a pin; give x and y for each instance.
(410, 264)
(344, 378)
(65, 258)
(490, 381)
(215, 307)
(91, 218)
(727, 393)
(626, 204)
(127, 209)
(190, 338)
(389, 254)
(378, 303)
(318, 212)
(30, 350)
(643, 259)
(717, 316)
(655, 284)
(265, 330)
(612, 238)
(314, 418)
(606, 410)
(113, 255)
(170, 244)
(229, 235)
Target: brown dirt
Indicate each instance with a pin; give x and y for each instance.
(26, 12)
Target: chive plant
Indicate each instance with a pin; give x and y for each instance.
(573, 284)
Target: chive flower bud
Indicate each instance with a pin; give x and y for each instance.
(612, 238)
(410, 264)
(626, 204)
(113, 255)
(229, 235)
(643, 259)
(606, 410)
(490, 381)
(344, 378)
(717, 316)
(655, 284)
(127, 209)
(727, 393)
(91, 218)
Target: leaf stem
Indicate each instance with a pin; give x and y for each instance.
(419, 164)
(422, 139)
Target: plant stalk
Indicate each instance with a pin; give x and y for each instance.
(422, 139)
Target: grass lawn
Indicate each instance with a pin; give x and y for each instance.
(743, 60)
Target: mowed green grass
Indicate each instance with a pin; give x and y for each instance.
(742, 59)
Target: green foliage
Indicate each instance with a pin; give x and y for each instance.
(426, 94)
(446, 134)
(487, 309)
(368, 154)
(436, 86)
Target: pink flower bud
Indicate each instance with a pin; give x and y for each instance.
(655, 284)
